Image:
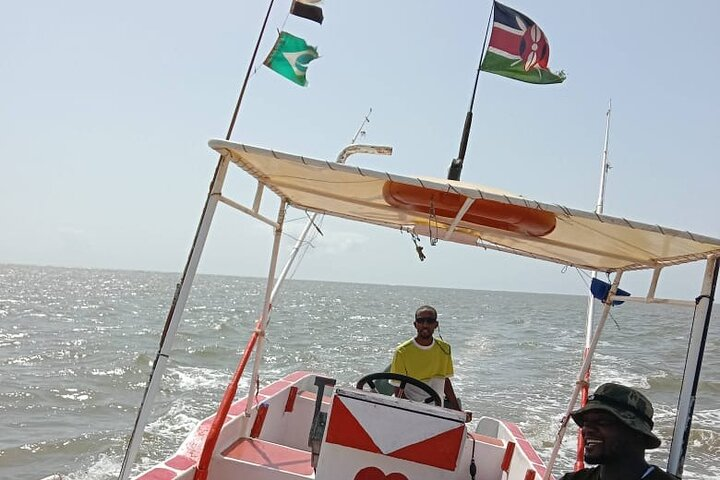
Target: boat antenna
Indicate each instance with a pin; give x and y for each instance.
(313, 219)
(605, 168)
(361, 132)
(181, 292)
(457, 164)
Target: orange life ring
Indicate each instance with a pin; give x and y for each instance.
(488, 213)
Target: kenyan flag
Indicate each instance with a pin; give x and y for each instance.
(518, 48)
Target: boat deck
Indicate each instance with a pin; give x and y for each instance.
(366, 436)
(271, 455)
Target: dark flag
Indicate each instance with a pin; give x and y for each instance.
(307, 9)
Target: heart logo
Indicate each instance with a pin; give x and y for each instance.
(374, 473)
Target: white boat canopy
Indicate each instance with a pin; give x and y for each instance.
(465, 213)
(453, 211)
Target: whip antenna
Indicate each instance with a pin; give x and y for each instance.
(457, 164)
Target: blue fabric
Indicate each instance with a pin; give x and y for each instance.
(600, 290)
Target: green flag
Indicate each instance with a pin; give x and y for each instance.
(290, 58)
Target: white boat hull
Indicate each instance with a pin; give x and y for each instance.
(368, 436)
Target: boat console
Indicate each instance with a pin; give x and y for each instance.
(367, 431)
(302, 427)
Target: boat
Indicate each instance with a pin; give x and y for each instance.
(304, 426)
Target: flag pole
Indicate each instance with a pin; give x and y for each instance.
(457, 164)
(249, 71)
(183, 288)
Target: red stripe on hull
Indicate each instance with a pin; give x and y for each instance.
(529, 451)
(292, 395)
(274, 388)
(507, 458)
(180, 462)
(238, 407)
(158, 474)
(259, 420)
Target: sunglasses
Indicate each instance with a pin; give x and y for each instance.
(428, 320)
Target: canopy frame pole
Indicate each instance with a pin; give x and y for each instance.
(258, 334)
(660, 301)
(341, 159)
(267, 306)
(203, 466)
(654, 283)
(174, 315)
(252, 212)
(581, 376)
(183, 288)
(258, 197)
(693, 364)
(270, 294)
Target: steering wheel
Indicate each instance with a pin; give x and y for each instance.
(404, 380)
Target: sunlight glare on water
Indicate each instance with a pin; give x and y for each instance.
(77, 346)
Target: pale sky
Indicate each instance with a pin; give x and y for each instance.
(107, 108)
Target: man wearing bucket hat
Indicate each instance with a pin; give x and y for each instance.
(617, 427)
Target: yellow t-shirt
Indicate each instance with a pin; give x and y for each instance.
(431, 364)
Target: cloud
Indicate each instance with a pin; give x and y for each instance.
(339, 243)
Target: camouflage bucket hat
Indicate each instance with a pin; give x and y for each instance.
(627, 404)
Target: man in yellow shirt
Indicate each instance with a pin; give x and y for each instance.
(427, 359)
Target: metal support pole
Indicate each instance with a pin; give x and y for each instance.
(341, 158)
(183, 290)
(266, 307)
(581, 376)
(174, 316)
(604, 169)
(258, 335)
(693, 363)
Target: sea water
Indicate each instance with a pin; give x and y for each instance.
(76, 347)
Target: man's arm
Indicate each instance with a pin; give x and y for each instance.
(450, 394)
(397, 366)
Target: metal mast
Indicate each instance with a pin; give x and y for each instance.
(579, 463)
